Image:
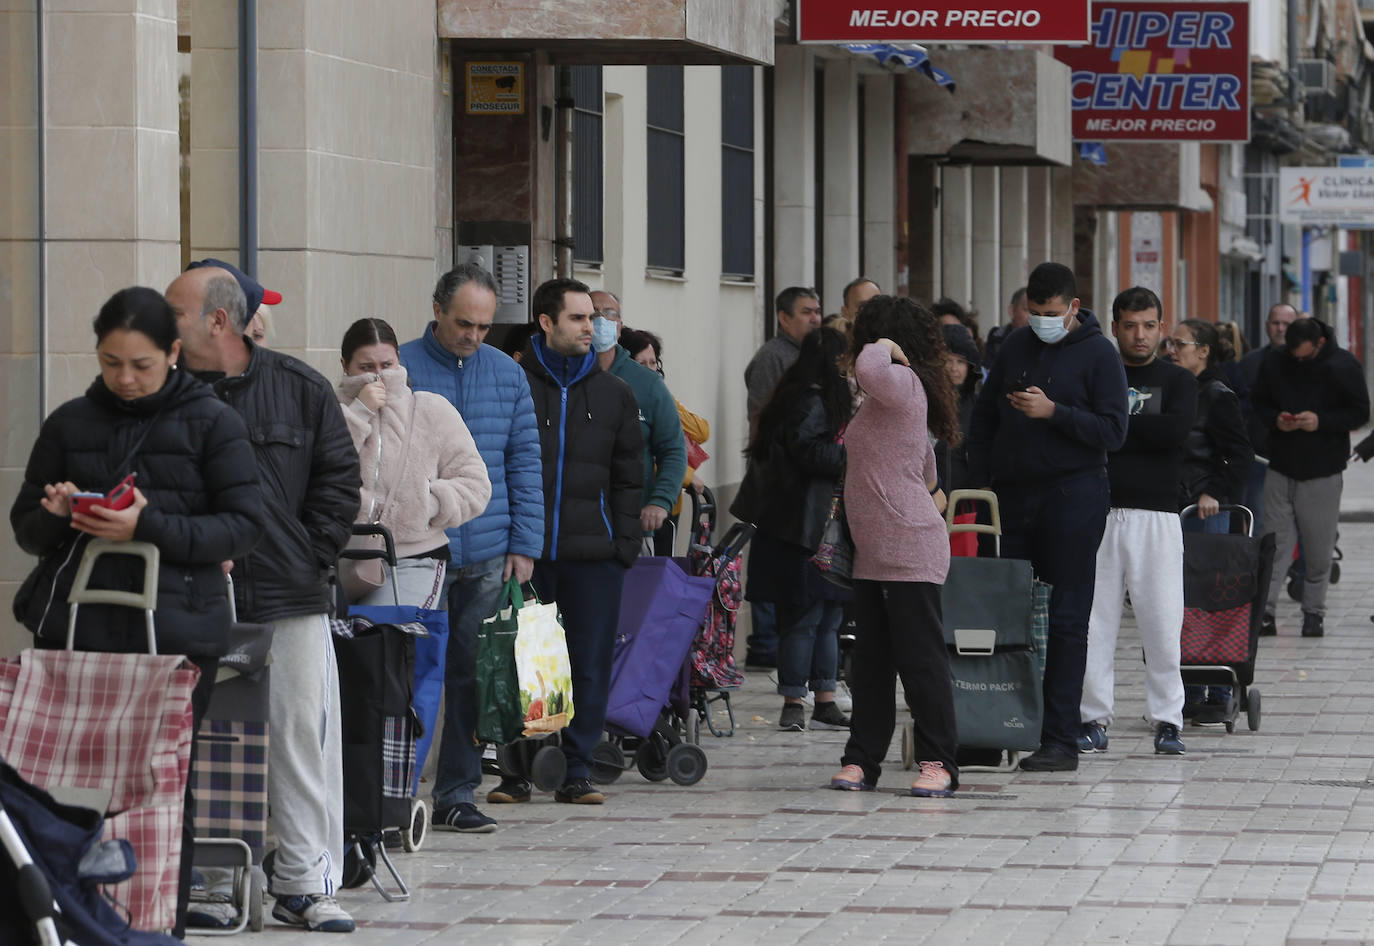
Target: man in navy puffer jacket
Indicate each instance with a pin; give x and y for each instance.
(491, 392)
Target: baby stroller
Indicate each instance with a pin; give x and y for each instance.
(661, 613)
(54, 862)
(1225, 581)
(714, 675)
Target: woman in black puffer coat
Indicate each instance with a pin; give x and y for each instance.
(197, 499)
(795, 461)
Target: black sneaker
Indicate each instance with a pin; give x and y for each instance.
(578, 791)
(792, 718)
(1050, 759)
(511, 791)
(1268, 628)
(1167, 741)
(828, 716)
(1312, 625)
(464, 817)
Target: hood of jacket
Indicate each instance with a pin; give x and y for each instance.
(179, 388)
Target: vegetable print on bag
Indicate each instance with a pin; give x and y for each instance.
(541, 659)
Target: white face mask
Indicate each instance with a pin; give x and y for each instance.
(604, 333)
(1048, 328)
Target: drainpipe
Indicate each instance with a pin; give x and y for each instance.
(248, 137)
(42, 219)
(1294, 53)
(563, 172)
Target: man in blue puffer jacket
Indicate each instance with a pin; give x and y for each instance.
(492, 393)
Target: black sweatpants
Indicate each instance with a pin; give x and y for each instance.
(899, 632)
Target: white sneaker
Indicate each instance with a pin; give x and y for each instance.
(844, 700)
(314, 911)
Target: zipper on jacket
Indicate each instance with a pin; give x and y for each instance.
(558, 477)
(609, 534)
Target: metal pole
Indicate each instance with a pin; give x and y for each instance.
(248, 137)
(42, 123)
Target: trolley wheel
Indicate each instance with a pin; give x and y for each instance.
(1230, 725)
(651, 761)
(360, 862)
(607, 763)
(255, 895)
(507, 761)
(414, 839)
(1335, 574)
(686, 763)
(1252, 710)
(908, 745)
(1295, 588)
(548, 769)
(692, 727)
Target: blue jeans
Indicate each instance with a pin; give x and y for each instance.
(473, 592)
(1254, 493)
(808, 647)
(588, 596)
(1058, 526)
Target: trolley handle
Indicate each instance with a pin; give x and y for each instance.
(736, 538)
(145, 600)
(387, 554)
(975, 496)
(1247, 516)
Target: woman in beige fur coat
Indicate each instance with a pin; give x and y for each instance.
(421, 470)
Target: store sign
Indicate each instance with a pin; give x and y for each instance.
(1326, 196)
(941, 21)
(496, 88)
(1162, 71)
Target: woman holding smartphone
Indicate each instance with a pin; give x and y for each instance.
(197, 499)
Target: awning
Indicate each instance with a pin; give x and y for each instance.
(909, 55)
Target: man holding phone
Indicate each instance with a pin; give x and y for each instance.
(1052, 407)
(1309, 395)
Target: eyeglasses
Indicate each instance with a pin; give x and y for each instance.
(612, 314)
(1170, 343)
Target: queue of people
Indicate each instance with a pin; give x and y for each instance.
(560, 462)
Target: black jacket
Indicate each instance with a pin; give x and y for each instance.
(593, 457)
(1217, 453)
(195, 467)
(1082, 375)
(308, 467)
(786, 491)
(1331, 384)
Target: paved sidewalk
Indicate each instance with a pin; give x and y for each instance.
(1250, 838)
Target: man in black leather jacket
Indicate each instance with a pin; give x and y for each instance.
(310, 482)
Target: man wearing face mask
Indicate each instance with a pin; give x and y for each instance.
(665, 453)
(1052, 408)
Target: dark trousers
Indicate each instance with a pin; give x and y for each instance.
(1058, 527)
(900, 633)
(588, 596)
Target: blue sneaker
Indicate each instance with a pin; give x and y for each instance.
(1167, 741)
(1092, 738)
(314, 911)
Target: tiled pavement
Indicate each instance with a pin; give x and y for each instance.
(1254, 838)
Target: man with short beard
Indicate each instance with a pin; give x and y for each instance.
(1142, 545)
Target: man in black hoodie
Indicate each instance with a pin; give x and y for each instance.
(593, 457)
(1310, 394)
(1053, 405)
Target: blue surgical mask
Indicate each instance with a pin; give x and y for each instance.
(1048, 328)
(604, 333)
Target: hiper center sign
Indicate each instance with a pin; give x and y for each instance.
(1325, 196)
(941, 21)
(1162, 71)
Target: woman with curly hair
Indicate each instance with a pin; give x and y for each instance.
(901, 546)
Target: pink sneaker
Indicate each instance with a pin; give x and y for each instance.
(934, 781)
(850, 779)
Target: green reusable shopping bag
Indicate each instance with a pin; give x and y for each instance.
(499, 717)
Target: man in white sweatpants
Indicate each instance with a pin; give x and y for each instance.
(1142, 545)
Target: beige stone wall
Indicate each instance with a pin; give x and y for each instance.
(346, 134)
(110, 138)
